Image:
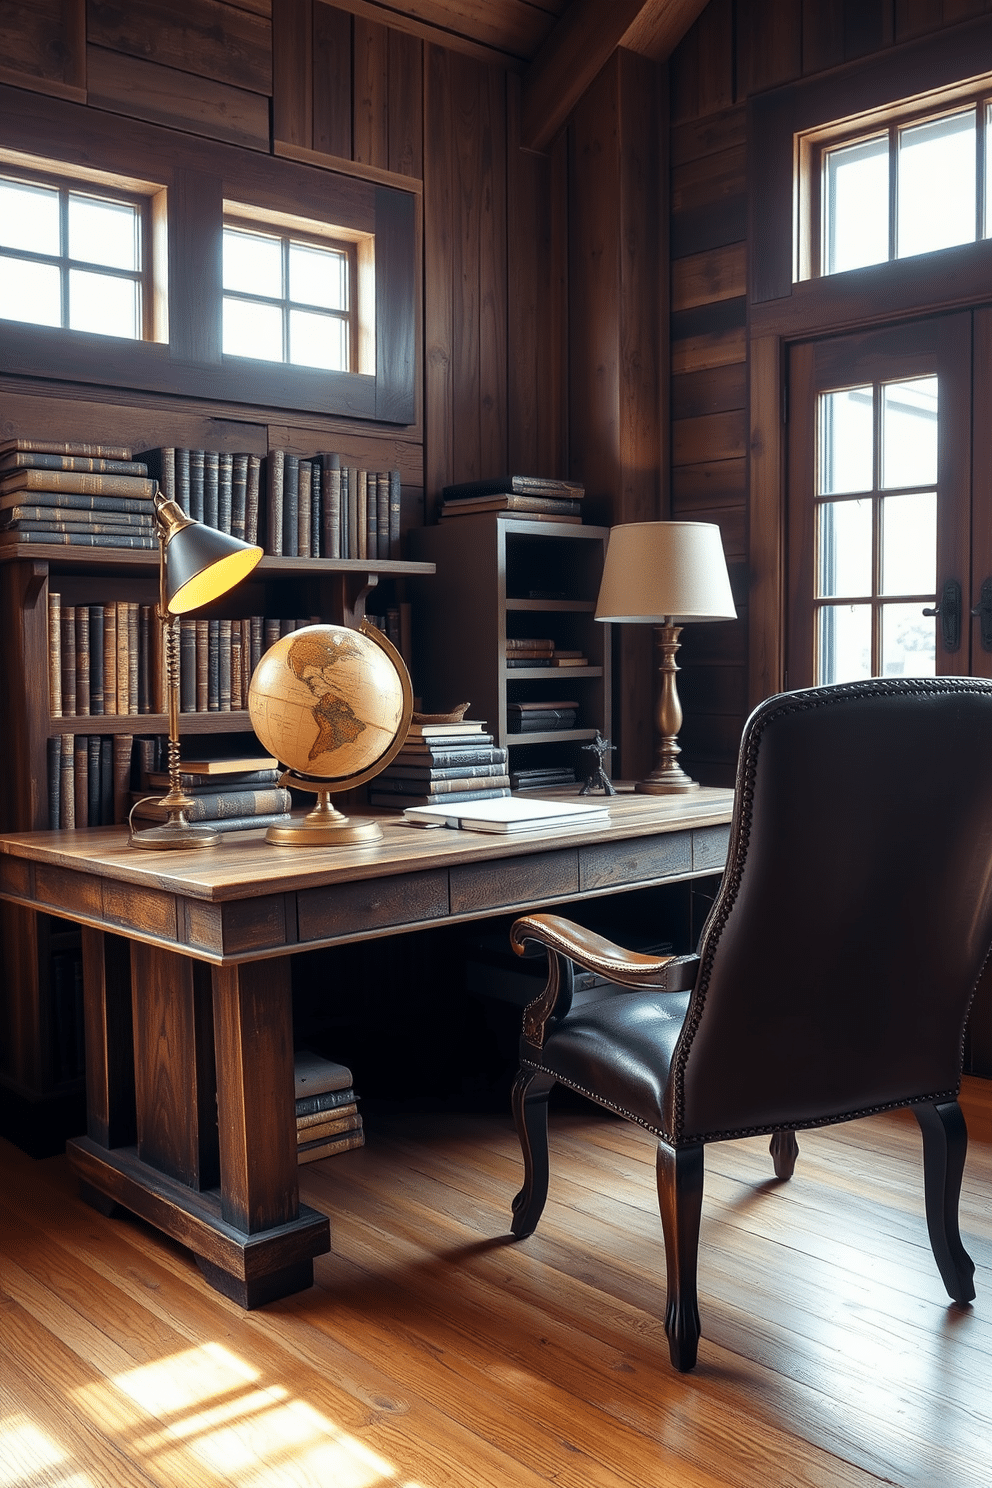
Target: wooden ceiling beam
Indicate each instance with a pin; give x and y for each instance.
(580, 45)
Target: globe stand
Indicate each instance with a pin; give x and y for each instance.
(325, 825)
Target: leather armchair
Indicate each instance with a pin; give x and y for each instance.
(833, 977)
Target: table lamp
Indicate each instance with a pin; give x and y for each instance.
(196, 564)
(665, 574)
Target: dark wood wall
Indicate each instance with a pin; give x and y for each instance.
(735, 50)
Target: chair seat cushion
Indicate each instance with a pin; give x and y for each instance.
(619, 1051)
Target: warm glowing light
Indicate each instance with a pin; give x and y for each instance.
(26, 1452)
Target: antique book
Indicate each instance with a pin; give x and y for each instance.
(182, 480)
(275, 473)
(38, 460)
(77, 480)
(523, 485)
(55, 655)
(82, 659)
(197, 470)
(352, 550)
(330, 1146)
(303, 503)
(93, 793)
(315, 1075)
(54, 753)
(343, 1112)
(325, 1100)
(122, 748)
(235, 764)
(362, 515)
(290, 506)
(110, 659)
(54, 504)
(483, 777)
(97, 659)
(252, 498)
(525, 505)
(316, 507)
(395, 512)
(80, 777)
(67, 788)
(462, 756)
(211, 488)
(325, 1125)
(50, 535)
(202, 783)
(221, 805)
(404, 770)
(67, 646)
(440, 730)
(225, 492)
(224, 665)
(331, 514)
(382, 513)
(50, 447)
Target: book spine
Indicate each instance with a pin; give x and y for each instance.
(197, 464)
(34, 460)
(382, 513)
(93, 779)
(106, 767)
(395, 512)
(257, 623)
(68, 648)
(432, 759)
(80, 765)
(83, 539)
(303, 513)
(70, 505)
(316, 507)
(54, 751)
(133, 656)
(202, 665)
(146, 630)
(276, 474)
(211, 487)
(67, 791)
(213, 666)
(224, 665)
(291, 506)
(326, 1100)
(48, 519)
(252, 497)
(71, 447)
(55, 657)
(327, 1123)
(219, 805)
(182, 480)
(239, 496)
(121, 662)
(165, 466)
(187, 665)
(122, 747)
(330, 1146)
(331, 515)
(78, 481)
(110, 702)
(412, 773)
(225, 491)
(405, 785)
(97, 695)
(352, 549)
(237, 667)
(362, 515)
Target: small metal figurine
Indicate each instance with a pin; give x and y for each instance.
(599, 780)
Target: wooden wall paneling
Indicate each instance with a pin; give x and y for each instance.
(709, 336)
(711, 213)
(868, 26)
(439, 258)
(293, 72)
(694, 139)
(406, 104)
(465, 149)
(44, 46)
(823, 34)
(68, 412)
(493, 358)
(147, 90)
(711, 436)
(195, 267)
(370, 93)
(702, 278)
(767, 534)
(712, 390)
(703, 64)
(769, 44)
(332, 78)
(711, 483)
(205, 37)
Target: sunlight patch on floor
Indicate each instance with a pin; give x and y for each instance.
(26, 1451)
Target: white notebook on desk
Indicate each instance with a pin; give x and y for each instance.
(509, 814)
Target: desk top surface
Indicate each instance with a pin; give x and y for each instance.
(245, 865)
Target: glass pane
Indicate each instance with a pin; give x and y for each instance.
(318, 276)
(252, 330)
(30, 291)
(29, 219)
(909, 544)
(99, 302)
(856, 205)
(317, 341)
(843, 643)
(936, 184)
(909, 640)
(253, 264)
(846, 441)
(909, 432)
(104, 232)
(844, 549)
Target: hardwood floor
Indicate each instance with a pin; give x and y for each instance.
(432, 1352)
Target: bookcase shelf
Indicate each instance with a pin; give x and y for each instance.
(500, 579)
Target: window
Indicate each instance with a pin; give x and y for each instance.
(876, 531)
(873, 191)
(73, 256)
(288, 298)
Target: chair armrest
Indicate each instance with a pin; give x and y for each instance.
(567, 943)
(595, 953)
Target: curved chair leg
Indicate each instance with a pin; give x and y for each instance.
(784, 1150)
(945, 1144)
(680, 1197)
(530, 1112)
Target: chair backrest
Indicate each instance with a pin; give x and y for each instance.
(841, 955)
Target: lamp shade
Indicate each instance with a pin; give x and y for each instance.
(658, 572)
(201, 563)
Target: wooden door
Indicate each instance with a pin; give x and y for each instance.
(880, 504)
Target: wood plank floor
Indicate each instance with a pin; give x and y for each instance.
(433, 1354)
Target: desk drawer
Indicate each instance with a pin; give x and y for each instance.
(639, 860)
(476, 888)
(373, 904)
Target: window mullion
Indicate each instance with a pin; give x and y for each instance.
(893, 188)
(64, 253)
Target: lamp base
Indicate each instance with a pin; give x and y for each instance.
(175, 835)
(671, 783)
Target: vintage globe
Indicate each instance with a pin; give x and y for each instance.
(328, 702)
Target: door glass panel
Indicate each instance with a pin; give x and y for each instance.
(936, 184)
(844, 643)
(909, 433)
(856, 205)
(846, 441)
(908, 642)
(844, 549)
(909, 543)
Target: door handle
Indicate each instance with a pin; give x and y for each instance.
(983, 610)
(949, 610)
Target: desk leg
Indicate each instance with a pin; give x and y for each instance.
(252, 1240)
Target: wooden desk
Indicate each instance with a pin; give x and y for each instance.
(188, 1008)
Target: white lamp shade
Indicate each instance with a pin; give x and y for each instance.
(665, 571)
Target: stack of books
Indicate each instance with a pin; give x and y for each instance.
(228, 795)
(327, 1119)
(541, 651)
(531, 496)
(85, 495)
(442, 761)
(542, 716)
(542, 777)
(218, 488)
